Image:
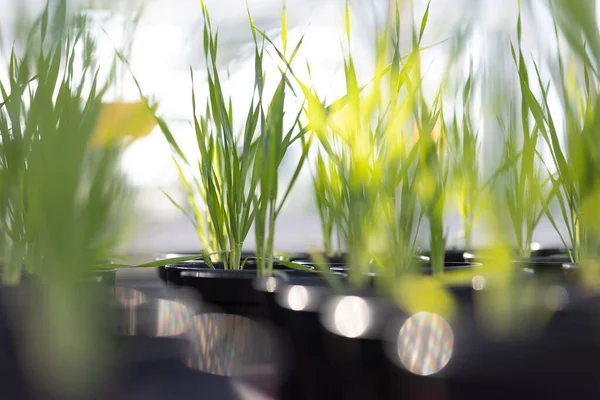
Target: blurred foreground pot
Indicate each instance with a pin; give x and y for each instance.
(141, 338)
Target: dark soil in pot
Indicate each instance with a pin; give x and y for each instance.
(454, 255)
(550, 254)
(307, 257)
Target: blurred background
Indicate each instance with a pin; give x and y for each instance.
(166, 39)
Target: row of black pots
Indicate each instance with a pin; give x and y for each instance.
(232, 289)
(327, 362)
(342, 345)
(551, 256)
(358, 346)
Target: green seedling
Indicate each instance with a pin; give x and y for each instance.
(237, 180)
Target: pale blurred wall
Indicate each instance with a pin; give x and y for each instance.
(169, 39)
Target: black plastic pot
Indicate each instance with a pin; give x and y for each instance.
(230, 291)
(305, 374)
(550, 254)
(11, 377)
(548, 271)
(307, 258)
(293, 301)
(454, 256)
(425, 268)
(556, 363)
(162, 270)
(450, 256)
(328, 364)
(358, 330)
(351, 325)
(173, 272)
(168, 273)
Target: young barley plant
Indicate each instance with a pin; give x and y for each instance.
(433, 167)
(64, 200)
(574, 160)
(362, 137)
(274, 141)
(237, 180)
(464, 152)
(328, 191)
(42, 120)
(400, 154)
(433, 171)
(528, 190)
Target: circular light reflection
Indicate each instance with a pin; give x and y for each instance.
(556, 298)
(227, 345)
(173, 318)
(297, 298)
(425, 343)
(352, 316)
(478, 282)
(271, 284)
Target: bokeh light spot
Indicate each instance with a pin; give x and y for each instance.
(478, 283)
(297, 298)
(352, 316)
(425, 343)
(556, 297)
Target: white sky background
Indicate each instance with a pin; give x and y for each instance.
(169, 40)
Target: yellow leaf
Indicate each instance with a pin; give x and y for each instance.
(118, 120)
(284, 28)
(589, 212)
(347, 22)
(418, 293)
(589, 275)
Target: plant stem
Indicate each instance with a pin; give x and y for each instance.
(438, 245)
(235, 256)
